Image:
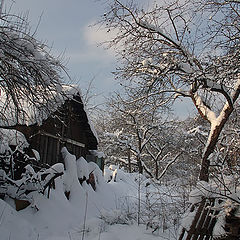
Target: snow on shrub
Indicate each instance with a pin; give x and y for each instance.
(11, 137)
(70, 175)
(107, 175)
(82, 169)
(94, 168)
(72, 187)
(12, 143)
(32, 181)
(116, 216)
(115, 174)
(18, 177)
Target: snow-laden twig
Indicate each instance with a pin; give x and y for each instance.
(169, 164)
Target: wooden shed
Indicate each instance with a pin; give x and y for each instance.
(65, 123)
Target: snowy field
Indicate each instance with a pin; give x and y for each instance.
(109, 213)
(122, 206)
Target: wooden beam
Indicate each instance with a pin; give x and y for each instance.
(68, 140)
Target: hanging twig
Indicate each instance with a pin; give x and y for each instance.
(85, 216)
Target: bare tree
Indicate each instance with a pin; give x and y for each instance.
(28, 71)
(170, 50)
(137, 124)
(137, 134)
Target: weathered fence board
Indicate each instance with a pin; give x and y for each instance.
(203, 222)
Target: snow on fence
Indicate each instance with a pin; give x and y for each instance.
(203, 222)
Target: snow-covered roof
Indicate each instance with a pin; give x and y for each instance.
(33, 110)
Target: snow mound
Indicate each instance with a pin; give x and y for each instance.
(82, 168)
(13, 226)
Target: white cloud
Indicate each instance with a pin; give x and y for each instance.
(95, 35)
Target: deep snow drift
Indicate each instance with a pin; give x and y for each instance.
(109, 212)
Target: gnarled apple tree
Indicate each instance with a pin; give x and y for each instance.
(181, 49)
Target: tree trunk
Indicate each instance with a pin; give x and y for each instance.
(214, 134)
(140, 166)
(129, 160)
(156, 169)
(212, 141)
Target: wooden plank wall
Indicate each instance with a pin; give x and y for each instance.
(49, 149)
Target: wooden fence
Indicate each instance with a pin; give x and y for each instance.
(203, 222)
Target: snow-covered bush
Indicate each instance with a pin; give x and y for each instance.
(18, 175)
(12, 156)
(32, 181)
(79, 172)
(70, 175)
(82, 169)
(158, 206)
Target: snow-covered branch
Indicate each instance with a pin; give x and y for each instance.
(216, 87)
(168, 165)
(203, 109)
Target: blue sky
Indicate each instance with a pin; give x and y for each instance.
(64, 24)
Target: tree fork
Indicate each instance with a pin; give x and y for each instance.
(214, 134)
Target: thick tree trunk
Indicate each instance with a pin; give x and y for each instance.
(212, 141)
(216, 129)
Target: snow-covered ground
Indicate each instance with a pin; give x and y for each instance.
(109, 213)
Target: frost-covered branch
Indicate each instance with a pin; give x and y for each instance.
(27, 68)
(203, 109)
(168, 165)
